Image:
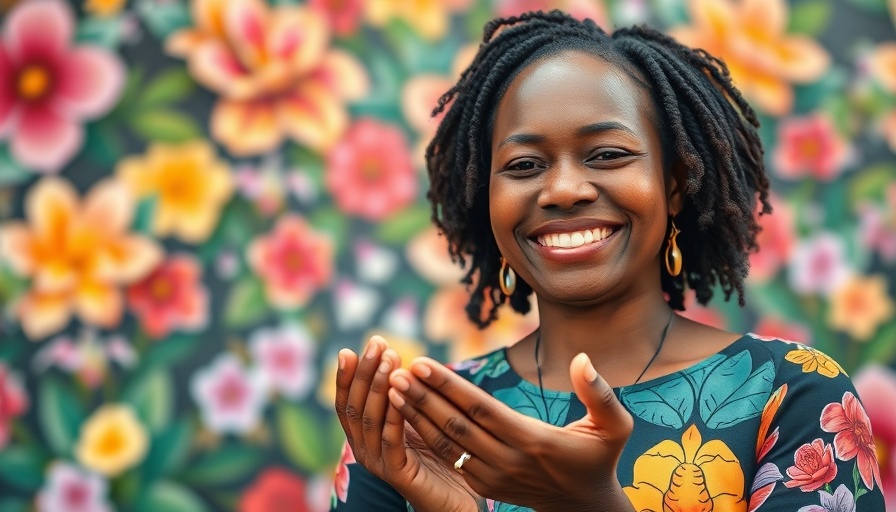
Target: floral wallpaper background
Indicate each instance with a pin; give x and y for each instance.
(202, 201)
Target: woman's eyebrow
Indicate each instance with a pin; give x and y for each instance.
(522, 138)
(604, 127)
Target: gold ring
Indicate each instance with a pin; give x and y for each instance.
(464, 457)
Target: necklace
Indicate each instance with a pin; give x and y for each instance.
(652, 359)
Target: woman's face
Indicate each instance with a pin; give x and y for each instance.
(577, 196)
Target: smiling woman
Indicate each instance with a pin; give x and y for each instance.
(615, 171)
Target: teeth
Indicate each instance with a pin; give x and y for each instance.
(574, 239)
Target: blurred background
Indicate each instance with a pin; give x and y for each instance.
(202, 201)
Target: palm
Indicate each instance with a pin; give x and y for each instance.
(447, 488)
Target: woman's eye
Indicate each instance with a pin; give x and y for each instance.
(609, 154)
(524, 165)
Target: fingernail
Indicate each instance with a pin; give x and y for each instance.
(421, 370)
(590, 372)
(396, 398)
(400, 383)
(341, 362)
(385, 366)
(373, 348)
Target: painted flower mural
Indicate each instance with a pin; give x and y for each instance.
(236, 191)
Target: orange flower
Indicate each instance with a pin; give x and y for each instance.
(763, 443)
(749, 35)
(430, 18)
(77, 254)
(882, 63)
(275, 72)
(860, 306)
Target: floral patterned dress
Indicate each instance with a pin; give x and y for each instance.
(764, 425)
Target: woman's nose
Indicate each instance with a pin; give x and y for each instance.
(566, 185)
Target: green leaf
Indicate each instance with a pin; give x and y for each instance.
(669, 404)
(170, 497)
(165, 126)
(143, 217)
(169, 87)
(402, 226)
(246, 303)
(302, 437)
(164, 18)
(810, 17)
(332, 222)
(14, 505)
(170, 352)
(60, 415)
(881, 349)
(22, 467)
(168, 450)
(222, 466)
(732, 394)
(11, 173)
(870, 183)
(151, 394)
(103, 31)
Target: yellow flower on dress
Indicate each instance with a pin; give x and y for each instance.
(428, 17)
(190, 184)
(749, 35)
(688, 477)
(860, 306)
(112, 440)
(814, 361)
(78, 255)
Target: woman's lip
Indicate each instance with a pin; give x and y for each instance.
(573, 254)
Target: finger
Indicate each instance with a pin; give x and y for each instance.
(442, 446)
(604, 409)
(377, 402)
(478, 406)
(393, 442)
(360, 388)
(348, 363)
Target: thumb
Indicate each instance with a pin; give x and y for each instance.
(604, 410)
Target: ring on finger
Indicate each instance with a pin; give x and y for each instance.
(464, 457)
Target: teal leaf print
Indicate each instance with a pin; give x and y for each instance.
(697, 375)
(731, 394)
(532, 405)
(669, 404)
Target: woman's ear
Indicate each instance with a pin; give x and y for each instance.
(676, 187)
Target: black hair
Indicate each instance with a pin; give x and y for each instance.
(705, 126)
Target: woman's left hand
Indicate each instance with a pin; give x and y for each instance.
(514, 458)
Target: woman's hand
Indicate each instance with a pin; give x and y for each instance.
(515, 458)
(376, 432)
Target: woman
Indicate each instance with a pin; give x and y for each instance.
(615, 170)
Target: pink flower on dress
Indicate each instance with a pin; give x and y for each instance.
(285, 356)
(294, 261)
(370, 172)
(71, 489)
(340, 485)
(854, 439)
(876, 386)
(819, 264)
(171, 297)
(230, 398)
(775, 242)
(810, 146)
(13, 401)
(50, 86)
(813, 466)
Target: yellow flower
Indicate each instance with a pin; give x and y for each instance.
(103, 7)
(428, 17)
(77, 253)
(688, 477)
(112, 440)
(814, 361)
(749, 35)
(189, 183)
(860, 306)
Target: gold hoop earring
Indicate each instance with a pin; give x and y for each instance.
(506, 278)
(673, 253)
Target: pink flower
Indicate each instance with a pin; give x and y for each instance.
(876, 386)
(72, 489)
(13, 401)
(276, 489)
(877, 231)
(819, 264)
(230, 398)
(854, 439)
(370, 172)
(774, 328)
(340, 485)
(49, 86)
(775, 242)
(813, 466)
(810, 146)
(87, 357)
(294, 261)
(171, 297)
(285, 357)
(343, 15)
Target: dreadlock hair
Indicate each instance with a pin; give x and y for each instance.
(705, 126)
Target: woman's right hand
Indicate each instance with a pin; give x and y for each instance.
(380, 439)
